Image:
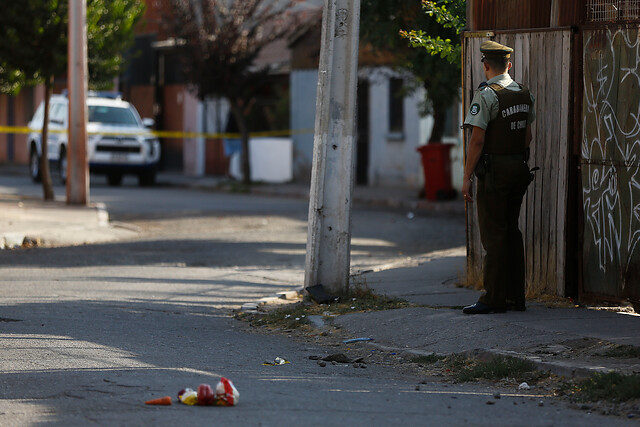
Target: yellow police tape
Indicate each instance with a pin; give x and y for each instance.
(169, 134)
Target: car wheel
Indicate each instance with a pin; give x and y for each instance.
(62, 166)
(114, 179)
(34, 165)
(147, 179)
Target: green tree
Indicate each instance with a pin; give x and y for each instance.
(110, 32)
(33, 49)
(218, 45)
(386, 24)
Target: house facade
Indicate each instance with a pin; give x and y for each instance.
(390, 125)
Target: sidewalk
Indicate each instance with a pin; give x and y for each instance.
(568, 340)
(32, 222)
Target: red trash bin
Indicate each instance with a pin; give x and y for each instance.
(436, 163)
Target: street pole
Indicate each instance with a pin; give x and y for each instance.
(329, 234)
(77, 168)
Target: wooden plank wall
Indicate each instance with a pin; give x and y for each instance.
(541, 61)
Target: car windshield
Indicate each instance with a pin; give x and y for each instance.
(112, 115)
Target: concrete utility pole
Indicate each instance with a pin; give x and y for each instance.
(77, 168)
(329, 236)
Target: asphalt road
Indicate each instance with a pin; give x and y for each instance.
(89, 333)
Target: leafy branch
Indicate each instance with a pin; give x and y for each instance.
(448, 13)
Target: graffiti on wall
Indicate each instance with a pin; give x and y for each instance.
(610, 160)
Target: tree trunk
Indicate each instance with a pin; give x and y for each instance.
(47, 186)
(244, 135)
(439, 122)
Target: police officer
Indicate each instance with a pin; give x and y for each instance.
(500, 116)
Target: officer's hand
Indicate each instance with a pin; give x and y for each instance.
(466, 191)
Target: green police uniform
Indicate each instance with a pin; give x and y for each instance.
(504, 109)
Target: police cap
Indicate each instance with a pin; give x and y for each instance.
(490, 47)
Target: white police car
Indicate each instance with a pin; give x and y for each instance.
(119, 142)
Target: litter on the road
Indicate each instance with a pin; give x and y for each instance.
(166, 400)
(225, 394)
(342, 358)
(277, 361)
(357, 340)
(524, 386)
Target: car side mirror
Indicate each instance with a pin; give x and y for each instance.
(148, 123)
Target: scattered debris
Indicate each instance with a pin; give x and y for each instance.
(319, 295)
(188, 396)
(225, 394)
(524, 386)
(490, 402)
(277, 361)
(357, 340)
(31, 242)
(321, 363)
(166, 400)
(341, 358)
(496, 395)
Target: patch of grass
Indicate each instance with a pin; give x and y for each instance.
(291, 316)
(428, 359)
(366, 302)
(612, 387)
(467, 369)
(288, 318)
(622, 351)
(359, 299)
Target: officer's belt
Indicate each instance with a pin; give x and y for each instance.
(516, 157)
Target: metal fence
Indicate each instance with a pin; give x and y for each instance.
(612, 10)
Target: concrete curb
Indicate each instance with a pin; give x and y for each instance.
(277, 298)
(560, 368)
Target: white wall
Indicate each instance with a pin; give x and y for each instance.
(393, 159)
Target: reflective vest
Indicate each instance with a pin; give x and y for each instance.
(507, 133)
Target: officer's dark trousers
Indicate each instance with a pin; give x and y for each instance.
(499, 197)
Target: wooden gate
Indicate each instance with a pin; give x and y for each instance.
(609, 163)
(542, 62)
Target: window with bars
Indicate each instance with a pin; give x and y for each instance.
(613, 10)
